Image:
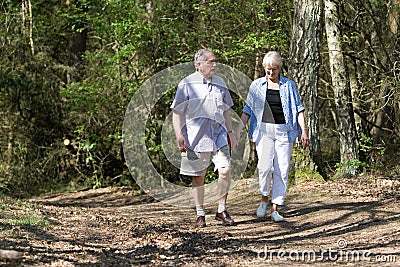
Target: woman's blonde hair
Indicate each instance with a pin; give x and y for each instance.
(272, 58)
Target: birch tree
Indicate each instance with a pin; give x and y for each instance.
(305, 62)
(342, 92)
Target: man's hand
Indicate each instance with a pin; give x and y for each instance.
(181, 142)
(232, 140)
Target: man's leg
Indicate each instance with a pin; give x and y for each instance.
(198, 194)
(194, 165)
(224, 183)
(222, 161)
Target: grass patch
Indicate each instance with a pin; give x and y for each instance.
(27, 220)
(15, 212)
(316, 195)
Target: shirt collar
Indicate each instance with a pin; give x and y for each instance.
(264, 80)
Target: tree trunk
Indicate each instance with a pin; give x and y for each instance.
(342, 93)
(10, 148)
(394, 21)
(393, 17)
(77, 43)
(305, 62)
(26, 10)
(257, 66)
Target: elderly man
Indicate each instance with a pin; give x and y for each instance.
(202, 124)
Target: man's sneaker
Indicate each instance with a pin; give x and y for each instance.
(276, 217)
(262, 209)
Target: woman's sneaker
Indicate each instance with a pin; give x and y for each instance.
(276, 217)
(262, 209)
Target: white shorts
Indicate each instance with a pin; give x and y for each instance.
(196, 163)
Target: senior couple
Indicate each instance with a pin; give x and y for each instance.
(204, 133)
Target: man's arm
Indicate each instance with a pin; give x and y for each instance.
(178, 123)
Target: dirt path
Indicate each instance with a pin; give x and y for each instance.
(342, 222)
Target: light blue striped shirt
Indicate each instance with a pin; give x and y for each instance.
(291, 105)
(202, 104)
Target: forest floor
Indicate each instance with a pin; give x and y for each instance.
(352, 222)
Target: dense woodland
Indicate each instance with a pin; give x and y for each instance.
(68, 70)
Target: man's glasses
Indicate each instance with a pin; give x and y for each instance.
(210, 62)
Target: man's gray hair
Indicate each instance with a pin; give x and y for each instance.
(201, 55)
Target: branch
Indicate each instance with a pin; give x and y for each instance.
(362, 116)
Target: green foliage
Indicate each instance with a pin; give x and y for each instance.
(154, 127)
(371, 158)
(300, 170)
(372, 153)
(62, 108)
(351, 168)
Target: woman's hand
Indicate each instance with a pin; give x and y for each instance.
(304, 139)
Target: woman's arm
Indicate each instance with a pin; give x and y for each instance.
(244, 118)
(304, 134)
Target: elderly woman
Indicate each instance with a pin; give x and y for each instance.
(276, 116)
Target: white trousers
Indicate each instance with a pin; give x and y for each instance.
(274, 152)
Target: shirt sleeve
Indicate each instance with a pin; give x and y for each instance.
(228, 99)
(249, 101)
(179, 103)
(297, 98)
(247, 110)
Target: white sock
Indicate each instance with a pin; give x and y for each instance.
(221, 207)
(200, 211)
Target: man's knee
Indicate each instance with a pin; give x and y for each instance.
(197, 181)
(224, 171)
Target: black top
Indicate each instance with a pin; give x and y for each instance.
(273, 111)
